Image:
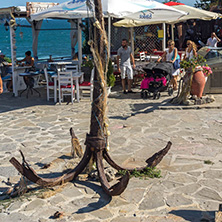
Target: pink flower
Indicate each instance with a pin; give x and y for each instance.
(207, 70)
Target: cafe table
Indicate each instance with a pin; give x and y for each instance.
(18, 82)
(29, 80)
(60, 65)
(77, 76)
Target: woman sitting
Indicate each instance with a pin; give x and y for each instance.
(171, 55)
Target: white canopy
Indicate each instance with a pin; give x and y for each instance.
(135, 9)
(191, 13)
(195, 13)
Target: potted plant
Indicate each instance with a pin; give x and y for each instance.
(110, 78)
(194, 79)
(87, 67)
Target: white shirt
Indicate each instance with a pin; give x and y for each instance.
(212, 42)
(189, 55)
(169, 55)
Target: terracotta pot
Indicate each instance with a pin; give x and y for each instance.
(198, 84)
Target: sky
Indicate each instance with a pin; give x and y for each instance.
(8, 3)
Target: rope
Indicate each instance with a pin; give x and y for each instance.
(101, 65)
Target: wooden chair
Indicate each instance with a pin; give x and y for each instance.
(65, 85)
(88, 85)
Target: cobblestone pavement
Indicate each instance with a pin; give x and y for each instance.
(190, 188)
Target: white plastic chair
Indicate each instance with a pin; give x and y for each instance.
(73, 68)
(49, 84)
(142, 56)
(65, 85)
(88, 85)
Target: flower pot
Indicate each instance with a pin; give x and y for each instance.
(198, 84)
(87, 73)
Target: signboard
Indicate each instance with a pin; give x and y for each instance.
(35, 7)
(160, 34)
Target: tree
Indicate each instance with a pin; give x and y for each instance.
(206, 4)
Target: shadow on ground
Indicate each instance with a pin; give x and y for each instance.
(9, 102)
(194, 215)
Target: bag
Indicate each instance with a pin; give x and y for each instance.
(176, 64)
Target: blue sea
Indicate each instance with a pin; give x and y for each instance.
(51, 42)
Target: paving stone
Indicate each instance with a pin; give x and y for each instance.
(209, 205)
(206, 193)
(188, 189)
(213, 174)
(102, 214)
(57, 199)
(37, 203)
(77, 217)
(124, 219)
(176, 200)
(171, 185)
(117, 202)
(184, 168)
(152, 200)
(93, 220)
(133, 195)
(17, 217)
(8, 171)
(15, 206)
(71, 192)
(182, 178)
(213, 184)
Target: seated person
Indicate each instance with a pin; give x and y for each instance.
(4, 65)
(29, 60)
(5, 69)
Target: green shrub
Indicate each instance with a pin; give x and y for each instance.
(110, 76)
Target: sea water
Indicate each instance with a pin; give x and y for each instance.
(50, 42)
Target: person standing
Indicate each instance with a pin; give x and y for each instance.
(191, 50)
(124, 53)
(171, 55)
(213, 40)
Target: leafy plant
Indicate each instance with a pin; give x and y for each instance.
(110, 76)
(148, 172)
(88, 63)
(7, 59)
(193, 63)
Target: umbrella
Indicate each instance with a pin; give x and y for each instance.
(136, 9)
(191, 13)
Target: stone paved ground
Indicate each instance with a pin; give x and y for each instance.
(189, 189)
